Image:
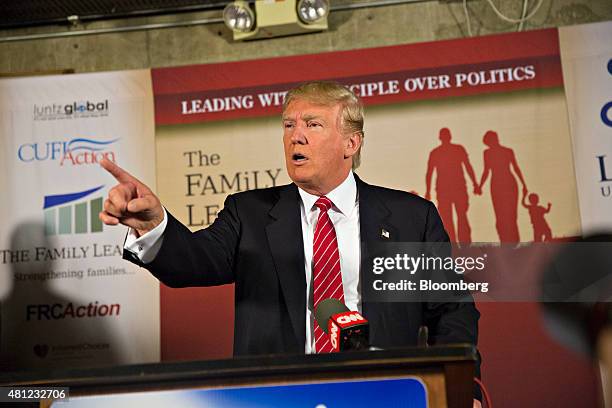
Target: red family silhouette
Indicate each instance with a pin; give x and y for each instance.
(450, 161)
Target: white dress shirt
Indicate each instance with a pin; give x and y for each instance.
(344, 214)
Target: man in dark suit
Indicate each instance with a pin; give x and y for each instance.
(269, 241)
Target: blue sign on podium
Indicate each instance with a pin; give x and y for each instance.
(392, 393)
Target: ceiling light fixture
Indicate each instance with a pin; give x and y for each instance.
(239, 17)
(275, 18)
(311, 11)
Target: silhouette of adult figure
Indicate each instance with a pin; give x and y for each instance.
(500, 162)
(449, 160)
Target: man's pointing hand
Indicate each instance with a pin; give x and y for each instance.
(130, 202)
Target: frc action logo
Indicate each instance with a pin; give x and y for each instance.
(77, 109)
(60, 311)
(76, 152)
(73, 214)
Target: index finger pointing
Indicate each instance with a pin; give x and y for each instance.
(118, 173)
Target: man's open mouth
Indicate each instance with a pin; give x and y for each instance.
(298, 157)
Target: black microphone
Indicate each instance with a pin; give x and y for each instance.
(347, 330)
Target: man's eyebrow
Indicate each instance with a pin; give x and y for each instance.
(305, 117)
(308, 117)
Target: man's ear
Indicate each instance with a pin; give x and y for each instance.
(353, 143)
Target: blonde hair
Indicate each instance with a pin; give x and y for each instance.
(327, 93)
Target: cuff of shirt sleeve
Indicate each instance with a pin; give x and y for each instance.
(146, 246)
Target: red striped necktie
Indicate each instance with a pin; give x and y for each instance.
(327, 279)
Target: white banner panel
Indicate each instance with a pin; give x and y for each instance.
(586, 56)
(67, 299)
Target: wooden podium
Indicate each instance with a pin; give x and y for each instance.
(444, 373)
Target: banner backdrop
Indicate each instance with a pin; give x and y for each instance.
(587, 69)
(67, 298)
(477, 125)
(472, 124)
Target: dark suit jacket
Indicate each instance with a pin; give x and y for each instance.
(256, 242)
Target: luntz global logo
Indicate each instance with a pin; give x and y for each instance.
(74, 110)
(72, 214)
(76, 152)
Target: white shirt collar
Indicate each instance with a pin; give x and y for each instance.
(344, 196)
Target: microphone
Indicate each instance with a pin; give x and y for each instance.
(347, 330)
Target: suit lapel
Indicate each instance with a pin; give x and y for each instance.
(284, 235)
(374, 216)
(374, 226)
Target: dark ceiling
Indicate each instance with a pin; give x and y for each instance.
(24, 13)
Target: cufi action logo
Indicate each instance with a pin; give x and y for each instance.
(76, 152)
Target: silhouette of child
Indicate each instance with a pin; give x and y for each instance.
(541, 229)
